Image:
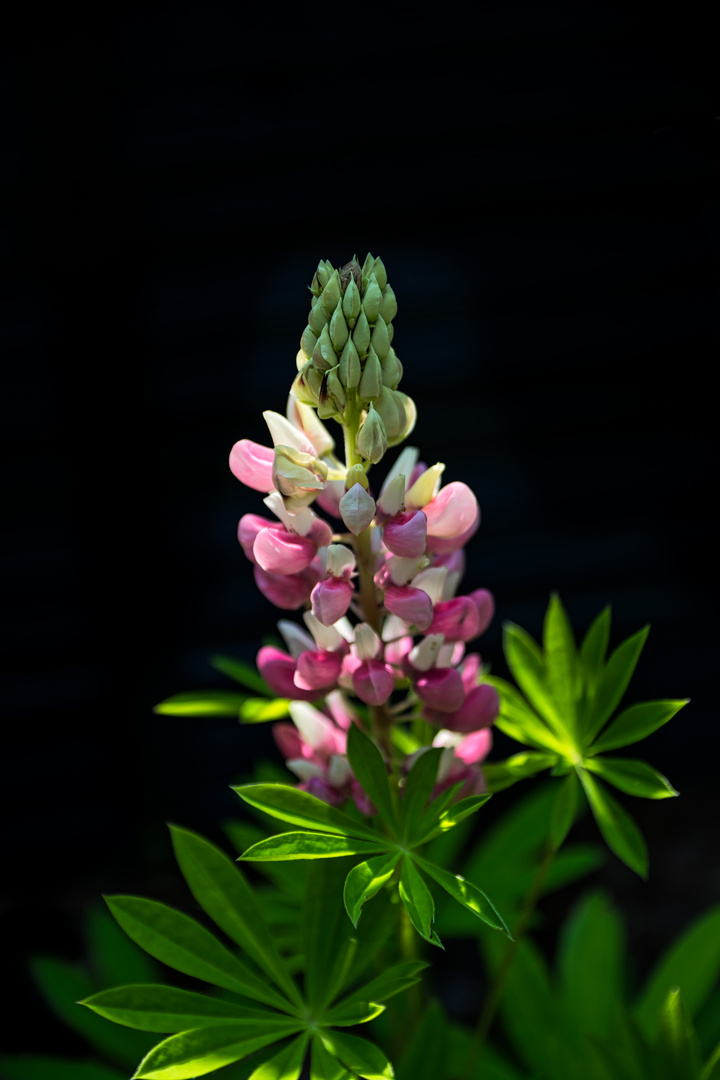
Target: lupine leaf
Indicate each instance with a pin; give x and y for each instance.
(45, 1067)
(454, 815)
(260, 710)
(564, 809)
(430, 815)
(561, 660)
(692, 963)
(365, 880)
(418, 902)
(527, 665)
(418, 787)
(619, 830)
(518, 719)
(466, 894)
(677, 1055)
(300, 808)
(327, 939)
(356, 1053)
(503, 774)
(201, 703)
(221, 890)
(636, 723)
(181, 943)
(614, 681)
(286, 1065)
(115, 960)
(590, 963)
(202, 1050)
(310, 845)
(242, 673)
(370, 770)
(392, 981)
(166, 1009)
(633, 777)
(710, 1072)
(594, 646)
(324, 1065)
(351, 1013)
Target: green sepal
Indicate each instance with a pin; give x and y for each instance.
(636, 723)
(633, 777)
(620, 832)
(358, 1054)
(417, 901)
(309, 845)
(614, 682)
(466, 894)
(370, 770)
(365, 880)
(201, 703)
(564, 809)
(166, 1009)
(300, 808)
(242, 673)
(203, 1050)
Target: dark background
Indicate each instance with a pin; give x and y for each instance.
(542, 184)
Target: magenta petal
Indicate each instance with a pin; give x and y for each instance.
(248, 528)
(331, 599)
(469, 670)
(320, 532)
(363, 803)
(475, 747)
(456, 619)
(323, 791)
(317, 670)
(441, 689)
(405, 534)
(278, 670)
(446, 545)
(485, 604)
(280, 551)
(288, 741)
(452, 512)
(373, 682)
(411, 605)
(252, 464)
(286, 591)
(479, 709)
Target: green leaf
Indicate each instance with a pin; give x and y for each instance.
(614, 681)
(519, 721)
(242, 673)
(286, 1065)
(418, 787)
(201, 703)
(418, 902)
(594, 647)
(448, 819)
(324, 1065)
(617, 827)
(365, 880)
(195, 1053)
(363, 1057)
(466, 894)
(633, 777)
(692, 963)
(351, 1013)
(502, 774)
(710, 1072)
(564, 809)
(45, 1067)
(636, 723)
(590, 962)
(259, 710)
(310, 845)
(181, 943)
(370, 771)
(299, 808)
(327, 939)
(392, 981)
(221, 890)
(561, 660)
(677, 1055)
(165, 1009)
(527, 666)
(114, 958)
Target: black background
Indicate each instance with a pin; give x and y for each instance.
(541, 182)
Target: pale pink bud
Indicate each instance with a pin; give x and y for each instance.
(317, 670)
(373, 682)
(331, 599)
(441, 689)
(357, 509)
(411, 605)
(479, 710)
(340, 709)
(485, 604)
(452, 511)
(456, 620)
(405, 534)
(252, 464)
(281, 552)
(278, 671)
(248, 528)
(474, 747)
(286, 591)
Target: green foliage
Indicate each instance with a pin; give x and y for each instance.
(569, 697)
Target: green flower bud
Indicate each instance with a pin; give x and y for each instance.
(317, 318)
(372, 380)
(389, 304)
(327, 409)
(380, 272)
(350, 368)
(391, 330)
(410, 418)
(322, 276)
(372, 438)
(351, 304)
(332, 293)
(367, 265)
(391, 370)
(297, 476)
(380, 341)
(300, 391)
(391, 410)
(356, 475)
(308, 341)
(335, 389)
(312, 381)
(372, 300)
(339, 332)
(323, 356)
(361, 335)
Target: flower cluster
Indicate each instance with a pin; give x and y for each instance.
(379, 588)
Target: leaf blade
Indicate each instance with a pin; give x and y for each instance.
(300, 808)
(636, 723)
(466, 894)
(309, 845)
(365, 880)
(633, 777)
(620, 832)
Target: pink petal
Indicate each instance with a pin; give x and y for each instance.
(363, 803)
(479, 710)
(317, 670)
(405, 534)
(286, 591)
(485, 604)
(282, 552)
(329, 498)
(330, 600)
(456, 620)
(469, 670)
(248, 528)
(452, 512)
(287, 739)
(373, 681)
(252, 464)
(441, 689)
(411, 605)
(320, 532)
(324, 791)
(475, 746)
(278, 670)
(397, 651)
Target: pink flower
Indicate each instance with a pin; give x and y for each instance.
(252, 464)
(405, 534)
(453, 516)
(456, 620)
(479, 710)
(413, 606)
(278, 670)
(287, 591)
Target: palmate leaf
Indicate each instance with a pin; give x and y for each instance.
(503, 774)
(564, 809)
(594, 648)
(677, 1053)
(203, 1050)
(299, 808)
(260, 710)
(370, 770)
(527, 665)
(392, 981)
(466, 894)
(365, 880)
(590, 964)
(448, 819)
(166, 1009)
(310, 845)
(617, 827)
(561, 664)
(636, 723)
(632, 777)
(358, 1054)
(613, 682)
(518, 719)
(418, 902)
(418, 788)
(285, 1065)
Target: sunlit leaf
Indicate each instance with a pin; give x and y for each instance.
(392, 981)
(502, 774)
(260, 710)
(466, 894)
(614, 681)
(418, 902)
(166, 1009)
(300, 808)
(527, 666)
(561, 660)
(324, 1065)
(418, 787)
(617, 827)
(242, 673)
(310, 845)
(365, 880)
(636, 723)
(633, 777)
(370, 771)
(448, 819)
(519, 721)
(351, 1013)
(358, 1054)
(195, 1053)
(286, 1065)
(594, 647)
(677, 1054)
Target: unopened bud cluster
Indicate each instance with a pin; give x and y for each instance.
(346, 359)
